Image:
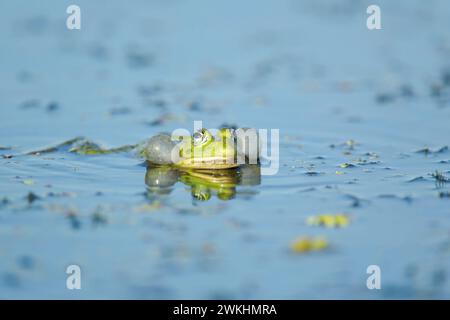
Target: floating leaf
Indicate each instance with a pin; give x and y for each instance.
(28, 182)
(306, 244)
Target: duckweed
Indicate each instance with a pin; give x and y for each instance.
(329, 220)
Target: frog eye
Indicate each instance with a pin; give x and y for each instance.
(200, 137)
(197, 137)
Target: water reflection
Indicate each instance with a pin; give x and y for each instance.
(204, 184)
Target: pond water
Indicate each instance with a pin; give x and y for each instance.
(364, 127)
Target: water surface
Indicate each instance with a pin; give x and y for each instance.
(338, 92)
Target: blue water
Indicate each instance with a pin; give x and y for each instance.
(313, 71)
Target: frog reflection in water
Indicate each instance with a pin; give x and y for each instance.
(203, 183)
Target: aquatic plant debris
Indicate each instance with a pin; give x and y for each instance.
(417, 179)
(356, 201)
(32, 197)
(79, 145)
(440, 178)
(28, 182)
(347, 165)
(163, 119)
(444, 194)
(307, 244)
(148, 207)
(427, 150)
(98, 218)
(150, 72)
(329, 220)
(86, 147)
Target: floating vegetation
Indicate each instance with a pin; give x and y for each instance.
(98, 218)
(405, 91)
(138, 59)
(155, 102)
(28, 182)
(195, 106)
(417, 179)
(79, 145)
(359, 162)
(30, 104)
(26, 262)
(406, 198)
(444, 194)
(383, 98)
(356, 201)
(329, 220)
(428, 151)
(57, 147)
(161, 120)
(313, 173)
(32, 197)
(440, 89)
(119, 111)
(148, 207)
(363, 162)
(371, 155)
(307, 244)
(347, 165)
(440, 178)
(62, 194)
(4, 202)
(86, 147)
(149, 90)
(52, 106)
(11, 280)
(349, 145)
(215, 76)
(72, 216)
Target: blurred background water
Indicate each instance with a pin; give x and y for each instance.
(339, 93)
